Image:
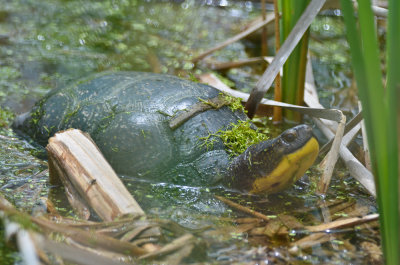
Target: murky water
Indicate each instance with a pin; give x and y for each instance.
(47, 44)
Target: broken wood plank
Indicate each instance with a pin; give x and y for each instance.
(74, 156)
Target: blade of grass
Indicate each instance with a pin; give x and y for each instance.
(382, 138)
(384, 163)
(393, 97)
(294, 68)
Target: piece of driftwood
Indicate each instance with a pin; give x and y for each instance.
(76, 159)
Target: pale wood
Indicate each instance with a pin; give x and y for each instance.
(331, 158)
(77, 158)
(81, 208)
(343, 223)
(356, 169)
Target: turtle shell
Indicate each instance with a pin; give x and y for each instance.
(127, 114)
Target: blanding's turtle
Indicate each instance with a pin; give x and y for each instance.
(129, 116)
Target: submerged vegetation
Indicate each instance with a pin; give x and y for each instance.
(6, 117)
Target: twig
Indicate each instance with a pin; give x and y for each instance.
(357, 170)
(235, 64)
(235, 38)
(350, 125)
(342, 223)
(367, 157)
(329, 162)
(174, 245)
(243, 209)
(278, 89)
(319, 237)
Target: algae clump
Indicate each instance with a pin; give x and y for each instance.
(239, 136)
(236, 139)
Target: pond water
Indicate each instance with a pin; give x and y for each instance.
(47, 44)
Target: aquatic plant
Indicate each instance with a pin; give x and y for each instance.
(380, 110)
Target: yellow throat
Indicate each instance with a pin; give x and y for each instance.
(289, 170)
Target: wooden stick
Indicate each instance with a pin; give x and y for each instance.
(278, 88)
(178, 243)
(243, 209)
(357, 170)
(330, 159)
(235, 38)
(343, 223)
(235, 64)
(78, 159)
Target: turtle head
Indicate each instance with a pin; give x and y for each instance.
(274, 165)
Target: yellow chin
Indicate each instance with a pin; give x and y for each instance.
(289, 170)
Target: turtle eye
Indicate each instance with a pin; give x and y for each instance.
(290, 136)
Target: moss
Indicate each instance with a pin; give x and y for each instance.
(236, 139)
(233, 103)
(225, 100)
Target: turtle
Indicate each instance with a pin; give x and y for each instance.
(129, 117)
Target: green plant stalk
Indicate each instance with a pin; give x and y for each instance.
(393, 90)
(385, 164)
(382, 135)
(294, 68)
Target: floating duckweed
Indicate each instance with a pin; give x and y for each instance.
(237, 139)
